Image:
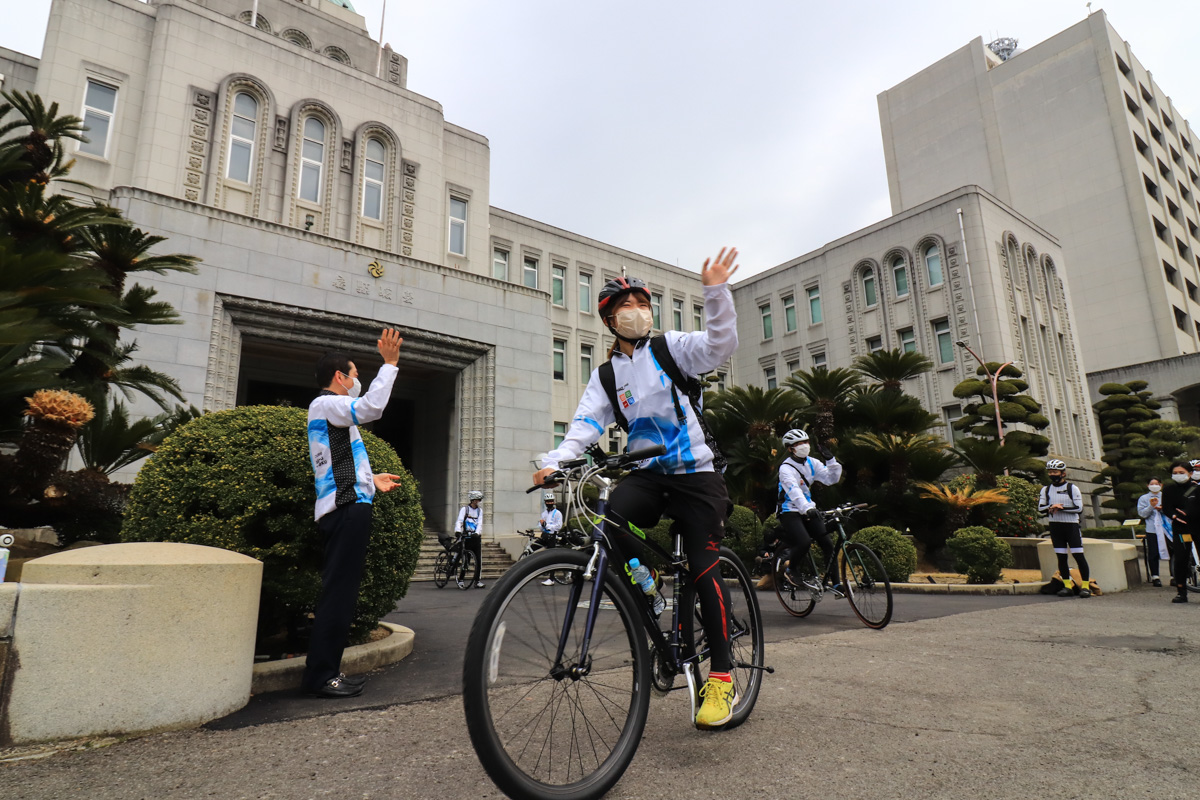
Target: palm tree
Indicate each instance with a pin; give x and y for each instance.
(748, 422)
(890, 368)
(40, 148)
(900, 450)
(990, 459)
(885, 411)
(827, 392)
(753, 411)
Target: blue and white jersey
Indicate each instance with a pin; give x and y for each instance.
(470, 520)
(797, 495)
(339, 459)
(644, 391)
(552, 520)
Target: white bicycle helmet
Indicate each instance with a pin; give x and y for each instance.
(548, 497)
(794, 437)
(475, 495)
(1054, 463)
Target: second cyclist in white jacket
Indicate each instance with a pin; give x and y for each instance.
(799, 518)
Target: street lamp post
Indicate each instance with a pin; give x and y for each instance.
(993, 377)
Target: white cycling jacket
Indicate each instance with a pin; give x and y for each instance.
(797, 493)
(645, 395)
(552, 520)
(339, 459)
(469, 520)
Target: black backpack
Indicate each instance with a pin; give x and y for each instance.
(692, 388)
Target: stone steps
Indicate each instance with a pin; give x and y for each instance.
(495, 560)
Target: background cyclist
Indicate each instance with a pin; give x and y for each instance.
(470, 523)
(551, 524)
(682, 482)
(800, 520)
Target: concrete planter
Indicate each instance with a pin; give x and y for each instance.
(275, 676)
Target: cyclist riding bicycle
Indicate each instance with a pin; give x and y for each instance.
(551, 524)
(799, 518)
(683, 483)
(470, 523)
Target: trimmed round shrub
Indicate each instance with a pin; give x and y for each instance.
(1017, 517)
(899, 555)
(979, 554)
(241, 480)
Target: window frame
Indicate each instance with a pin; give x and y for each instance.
(677, 312)
(559, 436)
(790, 323)
(656, 310)
(770, 379)
(527, 270)
(377, 183)
(874, 344)
(234, 138)
(506, 253)
(305, 161)
(558, 363)
(949, 347)
(587, 360)
(768, 324)
(870, 288)
(558, 285)
(697, 317)
(110, 116)
(814, 297)
(585, 287)
(900, 267)
(933, 248)
(820, 361)
(907, 336)
(461, 223)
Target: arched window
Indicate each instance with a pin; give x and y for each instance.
(312, 160)
(933, 265)
(298, 38)
(373, 182)
(338, 54)
(868, 280)
(241, 137)
(900, 276)
(261, 23)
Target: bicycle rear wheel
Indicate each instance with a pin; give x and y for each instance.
(466, 569)
(866, 585)
(441, 570)
(1193, 574)
(745, 634)
(798, 601)
(538, 732)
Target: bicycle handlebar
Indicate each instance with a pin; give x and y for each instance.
(620, 460)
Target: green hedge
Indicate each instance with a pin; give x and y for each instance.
(979, 554)
(898, 554)
(241, 480)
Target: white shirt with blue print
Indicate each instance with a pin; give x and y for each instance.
(797, 494)
(644, 391)
(339, 459)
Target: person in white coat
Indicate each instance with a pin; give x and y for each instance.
(470, 523)
(551, 523)
(1158, 529)
(800, 521)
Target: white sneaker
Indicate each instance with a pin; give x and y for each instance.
(478, 584)
(548, 582)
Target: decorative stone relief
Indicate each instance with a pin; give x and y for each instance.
(408, 210)
(196, 144)
(224, 358)
(394, 74)
(281, 134)
(347, 155)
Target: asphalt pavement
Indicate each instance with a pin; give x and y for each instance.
(1008, 697)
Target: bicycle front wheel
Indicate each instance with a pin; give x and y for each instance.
(744, 620)
(466, 569)
(798, 601)
(441, 570)
(866, 585)
(547, 730)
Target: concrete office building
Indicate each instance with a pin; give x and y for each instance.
(1075, 134)
(325, 202)
(907, 282)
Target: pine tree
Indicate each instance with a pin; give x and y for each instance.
(1016, 408)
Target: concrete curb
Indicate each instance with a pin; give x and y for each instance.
(274, 676)
(1033, 587)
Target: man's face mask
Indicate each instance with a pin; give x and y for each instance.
(1180, 477)
(354, 389)
(633, 322)
(801, 450)
(1057, 479)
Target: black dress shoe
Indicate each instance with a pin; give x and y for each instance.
(352, 680)
(336, 687)
(1179, 598)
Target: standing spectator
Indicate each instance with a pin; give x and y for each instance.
(551, 523)
(1063, 503)
(1172, 499)
(345, 488)
(1185, 522)
(1158, 528)
(470, 524)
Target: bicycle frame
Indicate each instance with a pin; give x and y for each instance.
(834, 519)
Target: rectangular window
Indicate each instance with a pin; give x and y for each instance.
(767, 326)
(789, 313)
(585, 293)
(908, 340)
(458, 226)
(241, 137)
(697, 318)
(1181, 320)
(869, 288)
(814, 305)
(99, 107)
(529, 273)
(769, 378)
(500, 264)
(558, 281)
(792, 366)
(874, 344)
(585, 362)
(656, 310)
(933, 266)
(677, 314)
(312, 160)
(953, 414)
(900, 276)
(720, 381)
(560, 359)
(818, 360)
(560, 433)
(941, 334)
(373, 180)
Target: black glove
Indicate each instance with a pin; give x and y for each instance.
(813, 513)
(825, 452)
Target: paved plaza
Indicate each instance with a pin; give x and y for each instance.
(1054, 699)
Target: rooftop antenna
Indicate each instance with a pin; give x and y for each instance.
(1003, 47)
(1089, 7)
(622, 270)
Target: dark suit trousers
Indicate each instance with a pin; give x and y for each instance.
(346, 530)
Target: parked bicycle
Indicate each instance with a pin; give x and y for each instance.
(457, 561)
(539, 542)
(1193, 573)
(853, 572)
(557, 680)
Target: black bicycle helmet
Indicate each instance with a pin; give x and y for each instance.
(616, 288)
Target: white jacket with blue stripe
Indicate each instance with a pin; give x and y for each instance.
(339, 459)
(644, 391)
(797, 493)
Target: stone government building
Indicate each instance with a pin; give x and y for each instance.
(326, 202)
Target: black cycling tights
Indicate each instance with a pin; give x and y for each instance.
(799, 531)
(698, 502)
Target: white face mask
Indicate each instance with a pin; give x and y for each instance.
(1155, 488)
(1196, 475)
(801, 450)
(1179, 477)
(633, 323)
(355, 388)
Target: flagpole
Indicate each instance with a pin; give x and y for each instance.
(379, 60)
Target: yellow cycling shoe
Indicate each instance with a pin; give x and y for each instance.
(719, 699)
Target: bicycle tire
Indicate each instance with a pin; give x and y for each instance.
(509, 654)
(866, 585)
(466, 566)
(441, 571)
(1192, 578)
(796, 600)
(745, 638)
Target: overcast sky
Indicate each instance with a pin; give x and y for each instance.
(673, 128)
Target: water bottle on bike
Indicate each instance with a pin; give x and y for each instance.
(648, 582)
